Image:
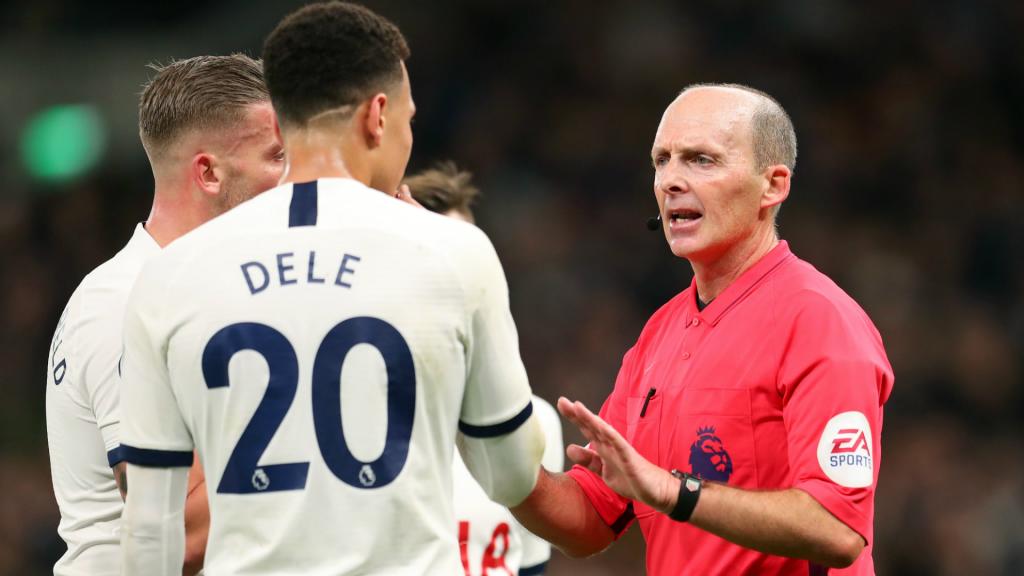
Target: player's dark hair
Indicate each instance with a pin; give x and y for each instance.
(329, 55)
(204, 91)
(444, 188)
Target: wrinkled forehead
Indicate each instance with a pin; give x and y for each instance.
(714, 115)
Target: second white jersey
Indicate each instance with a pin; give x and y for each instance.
(82, 416)
(320, 346)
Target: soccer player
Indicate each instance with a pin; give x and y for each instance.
(207, 126)
(322, 345)
(491, 541)
(744, 430)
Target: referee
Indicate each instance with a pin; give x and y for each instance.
(743, 434)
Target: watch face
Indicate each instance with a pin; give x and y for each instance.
(692, 484)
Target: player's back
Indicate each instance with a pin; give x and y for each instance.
(359, 311)
(82, 412)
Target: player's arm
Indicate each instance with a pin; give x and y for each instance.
(786, 523)
(155, 442)
(500, 438)
(197, 520)
(121, 478)
(197, 514)
(577, 511)
(558, 511)
(536, 550)
(153, 524)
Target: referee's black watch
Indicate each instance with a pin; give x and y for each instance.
(689, 493)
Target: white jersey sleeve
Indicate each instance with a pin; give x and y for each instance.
(536, 550)
(153, 431)
(100, 349)
(500, 442)
(155, 441)
(491, 541)
(153, 532)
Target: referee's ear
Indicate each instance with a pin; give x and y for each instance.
(775, 189)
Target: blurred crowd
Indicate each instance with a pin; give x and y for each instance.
(907, 192)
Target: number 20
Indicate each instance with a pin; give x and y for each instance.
(243, 474)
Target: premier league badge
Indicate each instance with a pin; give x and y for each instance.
(709, 460)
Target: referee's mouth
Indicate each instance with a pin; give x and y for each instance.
(683, 219)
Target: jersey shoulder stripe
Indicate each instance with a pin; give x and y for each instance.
(499, 429)
(156, 458)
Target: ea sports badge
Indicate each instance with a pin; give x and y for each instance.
(844, 450)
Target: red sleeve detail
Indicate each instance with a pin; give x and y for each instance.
(616, 511)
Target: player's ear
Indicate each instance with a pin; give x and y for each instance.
(776, 185)
(207, 173)
(374, 119)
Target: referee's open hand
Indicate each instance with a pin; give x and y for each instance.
(621, 467)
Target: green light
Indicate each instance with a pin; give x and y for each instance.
(62, 142)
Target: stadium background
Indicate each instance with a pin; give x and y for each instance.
(907, 193)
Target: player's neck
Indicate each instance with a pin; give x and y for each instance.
(715, 275)
(173, 215)
(314, 154)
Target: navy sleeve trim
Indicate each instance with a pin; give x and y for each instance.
(155, 458)
(114, 457)
(623, 521)
(499, 429)
(302, 210)
(534, 570)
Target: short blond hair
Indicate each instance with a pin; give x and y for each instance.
(205, 91)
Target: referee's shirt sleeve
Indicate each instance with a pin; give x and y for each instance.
(834, 378)
(153, 432)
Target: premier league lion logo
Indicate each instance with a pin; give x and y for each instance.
(709, 459)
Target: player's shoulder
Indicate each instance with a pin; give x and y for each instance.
(381, 211)
(103, 291)
(264, 213)
(261, 214)
(464, 246)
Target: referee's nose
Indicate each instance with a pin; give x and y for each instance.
(669, 180)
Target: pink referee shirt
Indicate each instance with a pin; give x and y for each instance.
(778, 383)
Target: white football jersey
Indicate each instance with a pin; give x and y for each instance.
(319, 346)
(491, 541)
(82, 417)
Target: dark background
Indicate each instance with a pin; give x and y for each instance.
(907, 192)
